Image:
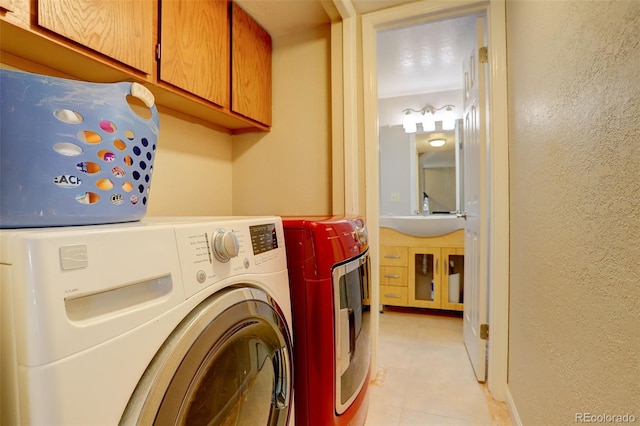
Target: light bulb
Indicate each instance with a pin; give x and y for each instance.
(428, 123)
(409, 123)
(449, 120)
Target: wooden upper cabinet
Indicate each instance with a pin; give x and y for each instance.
(251, 67)
(194, 47)
(120, 29)
(213, 60)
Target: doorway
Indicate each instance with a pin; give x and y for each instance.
(497, 154)
(420, 81)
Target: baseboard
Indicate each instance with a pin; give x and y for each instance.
(512, 408)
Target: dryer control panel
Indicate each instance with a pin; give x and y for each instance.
(212, 252)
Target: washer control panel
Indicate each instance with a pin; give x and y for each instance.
(212, 252)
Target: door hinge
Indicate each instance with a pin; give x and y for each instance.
(483, 55)
(484, 331)
(158, 52)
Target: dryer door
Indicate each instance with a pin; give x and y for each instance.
(227, 363)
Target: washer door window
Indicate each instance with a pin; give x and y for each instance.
(228, 363)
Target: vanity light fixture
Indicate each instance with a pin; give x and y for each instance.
(427, 118)
(437, 143)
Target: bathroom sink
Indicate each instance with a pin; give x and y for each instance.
(423, 226)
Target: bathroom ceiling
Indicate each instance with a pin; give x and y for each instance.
(423, 58)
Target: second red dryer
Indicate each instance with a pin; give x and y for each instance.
(329, 270)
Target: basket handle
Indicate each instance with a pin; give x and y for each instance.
(142, 93)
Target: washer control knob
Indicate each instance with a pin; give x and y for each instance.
(225, 245)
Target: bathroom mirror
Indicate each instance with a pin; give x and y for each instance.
(439, 170)
(410, 166)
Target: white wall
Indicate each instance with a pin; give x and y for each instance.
(397, 171)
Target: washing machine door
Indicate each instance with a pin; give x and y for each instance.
(228, 363)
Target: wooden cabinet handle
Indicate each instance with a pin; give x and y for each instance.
(391, 256)
(391, 276)
(392, 296)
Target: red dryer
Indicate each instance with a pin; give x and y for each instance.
(329, 270)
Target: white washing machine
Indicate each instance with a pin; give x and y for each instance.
(163, 321)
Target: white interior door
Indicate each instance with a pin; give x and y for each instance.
(475, 205)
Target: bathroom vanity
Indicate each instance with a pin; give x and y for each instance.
(422, 272)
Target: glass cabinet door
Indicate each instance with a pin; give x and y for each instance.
(425, 268)
(452, 296)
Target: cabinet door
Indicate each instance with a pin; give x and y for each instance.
(251, 67)
(452, 279)
(425, 268)
(120, 29)
(194, 47)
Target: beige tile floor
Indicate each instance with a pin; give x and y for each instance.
(424, 375)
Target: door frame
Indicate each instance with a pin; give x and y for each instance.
(497, 155)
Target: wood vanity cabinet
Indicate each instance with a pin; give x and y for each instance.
(416, 272)
(122, 30)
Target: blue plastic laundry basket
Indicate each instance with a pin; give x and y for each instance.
(73, 152)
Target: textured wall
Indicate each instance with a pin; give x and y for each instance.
(574, 104)
(288, 170)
